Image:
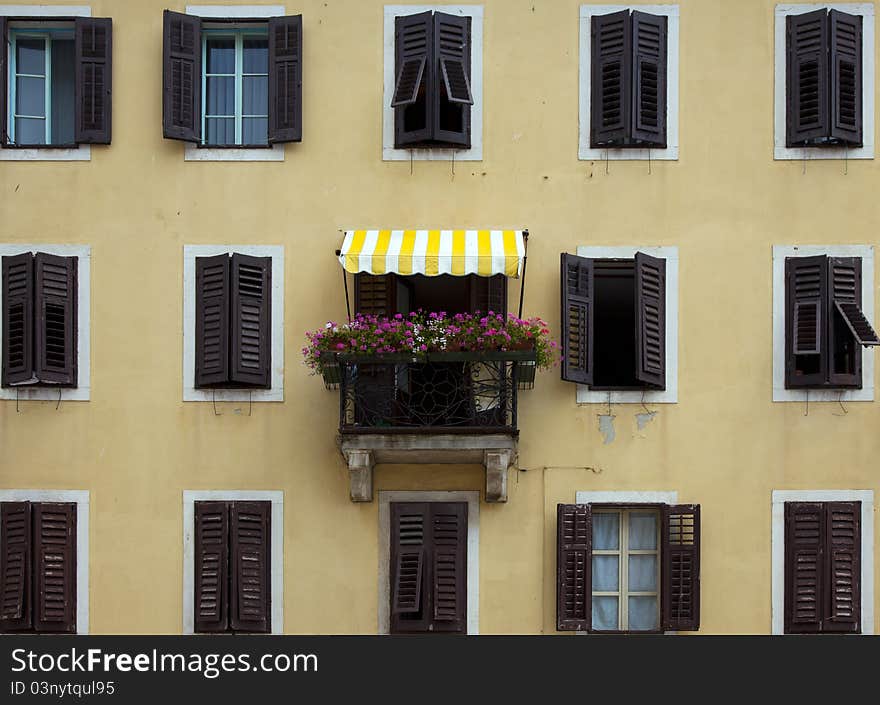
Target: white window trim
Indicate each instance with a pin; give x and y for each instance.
(276, 497)
(866, 151)
(194, 153)
(475, 153)
(780, 252)
(472, 498)
(276, 391)
(585, 152)
(81, 153)
(83, 391)
(779, 498)
(81, 499)
(585, 395)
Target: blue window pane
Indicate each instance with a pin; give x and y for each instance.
(255, 95)
(255, 131)
(221, 55)
(256, 56)
(30, 131)
(642, 573)
(642, 613)
(605, 573)
(606, 531)
(63, 62)
(30, 56)
(605, 613)
(220, 96)
(643, 531)
(30, 96)
(220, 131)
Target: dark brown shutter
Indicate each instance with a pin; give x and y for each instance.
(413, 44)
(4, 77)
(845, 35)
(251, 582)
(574, 586)
(15, 566)
(452, 49)
(410, 558)
(488, 294)
(182, 77)
(576, 279)
(375, 295)
(650, 282)
(456, 81)
(409, 80)
(285, 79)
(212, 320)
(18, 319)
(804, 554)
(843, 576)
(681, 567)
(251, 327)
(610, 78)
(211, 555)
(806, 296)
(649, 79)
(54, 566)
(807, 89)
(845, 291)
(94, 55)
(449, 570)
(56, 319)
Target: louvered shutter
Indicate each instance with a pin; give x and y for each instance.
(94, 43)
(681, 567)
(4, 77)
(413, 47)
(488, 294)
(285, 79)
(211, 569)
(181, 77)
(576, 278)
(411, 565)
(409, 81)
(807, 89)
(251, 582)
(251, 327)
(18, 319)
(804, 571)
(610, 79)
(449, 570)
(574, 587)
(806, 311)
(843, 566)
(452, 58)
(846, 318)
(56, 319)
(845, 35)
(374, 295)
(15, 566)
(212, 320)
(54, 566)
(649, 79)
(650, 283)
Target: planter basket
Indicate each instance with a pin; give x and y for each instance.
(331, 371)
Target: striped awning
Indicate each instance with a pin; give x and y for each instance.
(434, 252)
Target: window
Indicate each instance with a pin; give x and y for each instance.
(386, 295)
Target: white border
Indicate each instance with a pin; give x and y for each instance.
(386, 497)
(83, 391)
(80, 153)
(866, 151)
(81, 498)
(276, 497)
(475, 153)
(780, 252)
(777, 509)
(586, 152)
(585, 395)
(276, 391)
(194, 153)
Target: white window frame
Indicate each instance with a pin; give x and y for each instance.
(386, 498)
(866, 151)
(83, 391)
(777, 512)
(780, 252)
(276, 390)
(585, 151)
(475, 153)
(585, 395)
(81, 499)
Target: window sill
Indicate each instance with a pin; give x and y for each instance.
(10, 153)
(197, 153)
(783, 153)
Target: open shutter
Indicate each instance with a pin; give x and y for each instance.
(649, 79)
(181, 77)
(285, 79)
(845, 34)
(450, 84)
(577, 318)
(15, 566)
(94, 41)
(449, 570)
(843, 577)
(18, 320)
(806, 310)
(804, 570)
(413, 48)
(212, 320)
(610, 78)
(681, 567)
(650, 283)
(211, 569)
(410, 535)
(374, 295)
(488, 294)
(56, 319)
(54, 566)
(251, 327)
(251, 599)
(807, 90)
(846, 318)
(574, 586)
(4, 77)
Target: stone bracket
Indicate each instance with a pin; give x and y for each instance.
(360, 475)
(496, 463)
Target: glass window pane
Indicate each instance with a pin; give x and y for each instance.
(605, 613)
(643, 530)
(220, 96)
(220, 131)
(255, 131)
(255, 95)
(642, 613)
(256, 55)
(63, 62)
(606, 531)
(643, 573)
(221, 55)
(30, 56)
(30, 131)
(30, 96)
(605, 573)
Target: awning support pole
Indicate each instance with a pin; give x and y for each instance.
(522, 283)
(347, 304)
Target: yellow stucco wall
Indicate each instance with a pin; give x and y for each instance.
(136, 446)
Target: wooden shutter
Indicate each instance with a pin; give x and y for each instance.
(845, 59)
(94, 61)
(574, 586)
(843, 567)
(449, 570)
(650, 283)
(610, 79)
(56, 319)
(649, 79)
(54, 566)
(410, 543)
(804, 571)
(681, 567)
(15, 566)
(409, 81)
(452, 52)
(18, 319)
(807, 89)
(251, 327)
(806, 311)
(181, 77)
(375, 295)
(211, 569)
(488, 294)
(212, 320)
(285, 79)
(4, 77)
(577, 318)
(251, 582)
(413, 44)
(845, 318)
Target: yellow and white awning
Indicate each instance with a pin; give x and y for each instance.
(434, 252)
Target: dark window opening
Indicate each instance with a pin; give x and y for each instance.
(844, 350)
(615, 325)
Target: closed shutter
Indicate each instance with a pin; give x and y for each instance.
(56, 319)
(576, 279)
(211, 555)
(181, 77)
(650, 282)
(574, 585)
(681, 567)
(845, 34)
(4, 77)
(410, 558)
(846, 319)
(374, 295)
(15, 566)
(413, 109)
(449, 552)
(94, 42)
(610, 78)
(807, 89)
(804, 571)
(251, 362)
(249, 563)
(18, 319)
(285, 79)
(649, 79)
(806, 294)
(54, 566)
(452, 58)
(212, 320)
(488, 294)
(843, 581)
